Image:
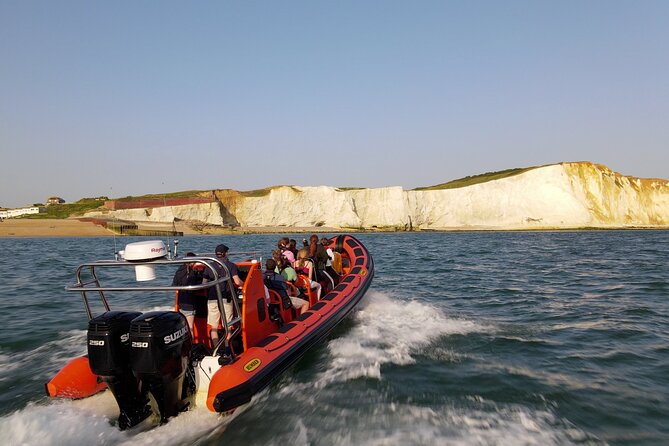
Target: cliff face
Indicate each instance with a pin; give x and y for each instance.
(566, 195)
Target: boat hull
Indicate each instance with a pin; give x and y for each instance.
(268, 348)
(258, 366)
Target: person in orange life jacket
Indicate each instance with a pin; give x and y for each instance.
(276, 282)
(188, 274)
(214, 314)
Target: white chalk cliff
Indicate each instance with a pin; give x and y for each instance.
(565, 195)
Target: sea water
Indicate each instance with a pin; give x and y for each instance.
(485, 338)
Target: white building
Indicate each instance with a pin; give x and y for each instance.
(10, 213)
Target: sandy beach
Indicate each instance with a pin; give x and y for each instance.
(74, 228)
(19, 227)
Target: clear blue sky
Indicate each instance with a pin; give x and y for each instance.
(136, 97)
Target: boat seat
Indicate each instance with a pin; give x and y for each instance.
(286, 314)
(303, 282)
(200, 332)
(292, 289)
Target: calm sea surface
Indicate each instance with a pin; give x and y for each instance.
(464, 339)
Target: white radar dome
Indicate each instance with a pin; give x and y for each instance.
(150, 250)
(144, 252)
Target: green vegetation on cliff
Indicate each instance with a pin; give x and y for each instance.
(182, 194)
(477, 179)
(265, 191)
(68, 209)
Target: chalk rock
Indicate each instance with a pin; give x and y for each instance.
(565, 195)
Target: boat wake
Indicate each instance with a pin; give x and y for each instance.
(89, 422)
(342, 401)
(388, 331)
(339, 404)
(42, 361)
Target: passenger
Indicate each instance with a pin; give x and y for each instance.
(186, 275)
(285, 252)
(276, 282)
(320, 257)
(318, 253)
(292, 247)
(276, 255)
(283, 243)
(304, 265)
(214, 314)
(287, 271)
(329, 268)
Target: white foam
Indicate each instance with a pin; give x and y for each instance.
(7, 365)
(388, 330)
(59, 423)
(45, 360)
(393, 423)
(89, 421)
(412, 425)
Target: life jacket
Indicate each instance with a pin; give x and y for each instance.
(336, 262)
(276, 282)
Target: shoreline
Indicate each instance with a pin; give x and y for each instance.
(75, 228)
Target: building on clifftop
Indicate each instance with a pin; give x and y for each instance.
(54, 200)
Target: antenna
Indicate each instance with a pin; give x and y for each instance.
(174, 226)
(116, 256)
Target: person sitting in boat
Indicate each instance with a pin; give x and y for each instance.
(285, 252)
(276, 282)
(276, 255)
(286, 270)
(214, 314)
(320, 257)
(329, 268)
(188, 274)
(305, 266)
(292, 247)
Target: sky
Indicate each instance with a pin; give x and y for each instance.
(137, 97)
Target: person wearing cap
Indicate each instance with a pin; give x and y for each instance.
(214, 314)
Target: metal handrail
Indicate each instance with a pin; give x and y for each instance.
(83, 287)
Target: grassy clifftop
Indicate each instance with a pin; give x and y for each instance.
(68, 209)
(477, 179)
(182, 194)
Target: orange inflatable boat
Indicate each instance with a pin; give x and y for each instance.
(154, 362)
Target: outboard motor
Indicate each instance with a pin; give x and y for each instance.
(109, 358)
(159, 356)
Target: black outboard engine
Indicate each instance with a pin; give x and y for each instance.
(109, 358)
(159, 356)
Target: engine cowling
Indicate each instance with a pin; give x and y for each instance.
(160, 345)
(108, 342)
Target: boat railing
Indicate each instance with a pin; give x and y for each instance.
(93, 284)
